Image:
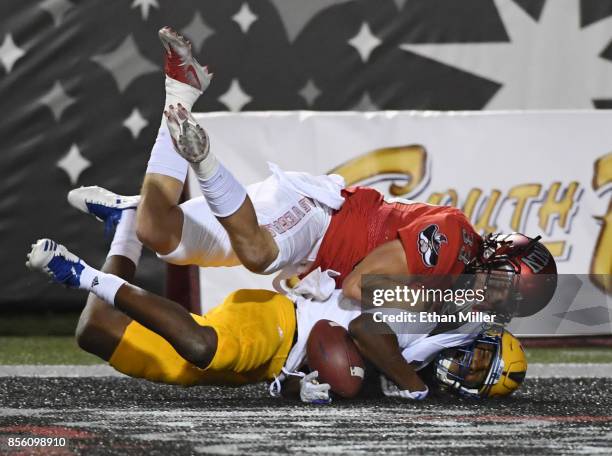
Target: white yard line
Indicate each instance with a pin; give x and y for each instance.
(30, 370)
(569, 370)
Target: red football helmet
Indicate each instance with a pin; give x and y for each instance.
(520, 267)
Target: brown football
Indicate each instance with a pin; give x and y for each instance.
(332, 352)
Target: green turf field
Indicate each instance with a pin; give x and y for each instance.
(41, 324)
(41, 339)
(43, 350)
(63, 350)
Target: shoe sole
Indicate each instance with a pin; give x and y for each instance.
(194, 138)
(172, 41)
(38, 257)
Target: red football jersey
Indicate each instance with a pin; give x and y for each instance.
(437, 239)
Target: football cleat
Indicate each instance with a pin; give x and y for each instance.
(189, 138)
(179, 63)
(56, 261)
(103, 204)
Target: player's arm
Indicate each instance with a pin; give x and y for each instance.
(378, 344)
(388, 258)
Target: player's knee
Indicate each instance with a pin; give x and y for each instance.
(100, 329)
(88, 332)
(258, 254)
(159, 231)
(151, 235)
(201, 348)
(144, 229)
(83, 337)
(257, 262)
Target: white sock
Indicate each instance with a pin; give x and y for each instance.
(104, 286)
(179, 92)
(164, 159)
(125, 242)
(207, 168)
(223, 192)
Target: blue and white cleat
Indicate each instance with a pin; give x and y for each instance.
(57, 262)
(103, 204)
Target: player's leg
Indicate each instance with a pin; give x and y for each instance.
(101, 326)
(196, 344)
(227, 198)
(253, 244)
(201, 241)
(245, 339)
(254, 333)
(159, 220)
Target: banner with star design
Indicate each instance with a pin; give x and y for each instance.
(81, 84)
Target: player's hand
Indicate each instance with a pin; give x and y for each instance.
(313, 392)
(390, 389)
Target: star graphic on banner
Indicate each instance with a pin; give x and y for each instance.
(365, 42)
(145, 6)
(533, 72)
(125, 63)
(57, 100)
(10, 53)
(235, 98)
(400, 4)
(57, 9)
(244, 18)
(365, 104)
(295, 14)
(73, 163)
(197, 31)
(309, 92)
(135, 123)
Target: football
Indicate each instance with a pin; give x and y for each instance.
(332, 352)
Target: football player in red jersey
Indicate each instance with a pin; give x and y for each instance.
(369, 235)
(289, 221)
(519, 277)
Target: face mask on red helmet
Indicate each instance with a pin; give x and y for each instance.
(518, 274)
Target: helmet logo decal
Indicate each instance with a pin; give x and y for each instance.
(429, 243)
(518, 377)
(537, 259)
